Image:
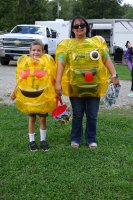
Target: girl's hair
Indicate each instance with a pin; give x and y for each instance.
(37, 42)
(72, 35)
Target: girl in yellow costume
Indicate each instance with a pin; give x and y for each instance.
(34, 91)
(83, 73)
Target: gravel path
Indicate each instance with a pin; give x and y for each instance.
(7, 82)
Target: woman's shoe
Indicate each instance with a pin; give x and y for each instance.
(130, 94)
(74, 145)
(93, 145)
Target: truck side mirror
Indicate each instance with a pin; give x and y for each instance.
(48, 35)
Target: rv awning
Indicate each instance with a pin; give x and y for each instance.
(102, 26)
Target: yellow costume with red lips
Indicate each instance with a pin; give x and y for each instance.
(35, 80)
(84, 74)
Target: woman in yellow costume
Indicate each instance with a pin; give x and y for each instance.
(34, 91)
(84, 68)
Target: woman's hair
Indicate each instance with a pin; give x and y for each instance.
(37, 42)
(72, 35)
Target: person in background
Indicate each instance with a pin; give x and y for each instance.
(34, 91)
(128, 54)
(83, 70)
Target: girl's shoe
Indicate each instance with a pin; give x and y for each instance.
(44, 145)
(33, 146)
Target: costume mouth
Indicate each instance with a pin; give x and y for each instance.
(32, 94)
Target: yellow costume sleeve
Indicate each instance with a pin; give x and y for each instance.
(36, 93)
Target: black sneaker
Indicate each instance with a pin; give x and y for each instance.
(44, 145)
(33, 146)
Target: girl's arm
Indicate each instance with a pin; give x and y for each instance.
(13, 93)
(60, 69)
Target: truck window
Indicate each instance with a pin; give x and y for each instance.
(27, 30)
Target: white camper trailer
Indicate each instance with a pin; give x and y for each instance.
(60, 26)
(115, 31)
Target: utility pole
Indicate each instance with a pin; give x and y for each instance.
(58, 9)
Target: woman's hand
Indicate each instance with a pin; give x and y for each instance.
(115, 81)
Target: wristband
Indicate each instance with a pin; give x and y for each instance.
(115, 76)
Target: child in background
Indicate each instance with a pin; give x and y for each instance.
(34, 91)
(128, 55)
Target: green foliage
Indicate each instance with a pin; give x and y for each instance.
(31, 10)
(128, 12)
(21, 12)
(13, 12)
(63, 172)
(99, 9)
(7, 14)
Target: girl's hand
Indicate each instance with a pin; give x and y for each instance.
(13, 96)
(58, 89)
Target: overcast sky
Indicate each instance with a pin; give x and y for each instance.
(128, 1)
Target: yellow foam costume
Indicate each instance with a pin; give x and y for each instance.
(35, 80)
(84, 74)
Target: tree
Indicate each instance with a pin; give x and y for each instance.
(14, 12)
(99, 9)
(31, 10)
(7, 13)
(128, 11)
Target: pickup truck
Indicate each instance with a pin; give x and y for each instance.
(17, 41)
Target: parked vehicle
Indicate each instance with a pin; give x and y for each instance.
(17, 42)
(61, 27)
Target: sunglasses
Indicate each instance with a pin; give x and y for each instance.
(79, 26)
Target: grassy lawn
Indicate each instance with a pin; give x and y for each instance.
(123, 71)
(64, 173)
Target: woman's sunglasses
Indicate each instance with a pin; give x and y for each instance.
(79, 26)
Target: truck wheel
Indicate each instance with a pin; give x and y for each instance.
(4, 61)
(46, 48)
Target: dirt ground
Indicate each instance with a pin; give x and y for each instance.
(7, 82)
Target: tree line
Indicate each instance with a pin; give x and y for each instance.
(13, 12)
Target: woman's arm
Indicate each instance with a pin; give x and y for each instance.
(108, 63)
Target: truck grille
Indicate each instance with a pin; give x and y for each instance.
(14, 42)
(16, 52)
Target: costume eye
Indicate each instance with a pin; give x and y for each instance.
(94, 55)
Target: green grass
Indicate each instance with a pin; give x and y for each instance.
(64, 173)
(123, 71)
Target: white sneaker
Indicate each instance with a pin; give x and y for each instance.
(74, 145)
(130, 94)
(93, 145)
